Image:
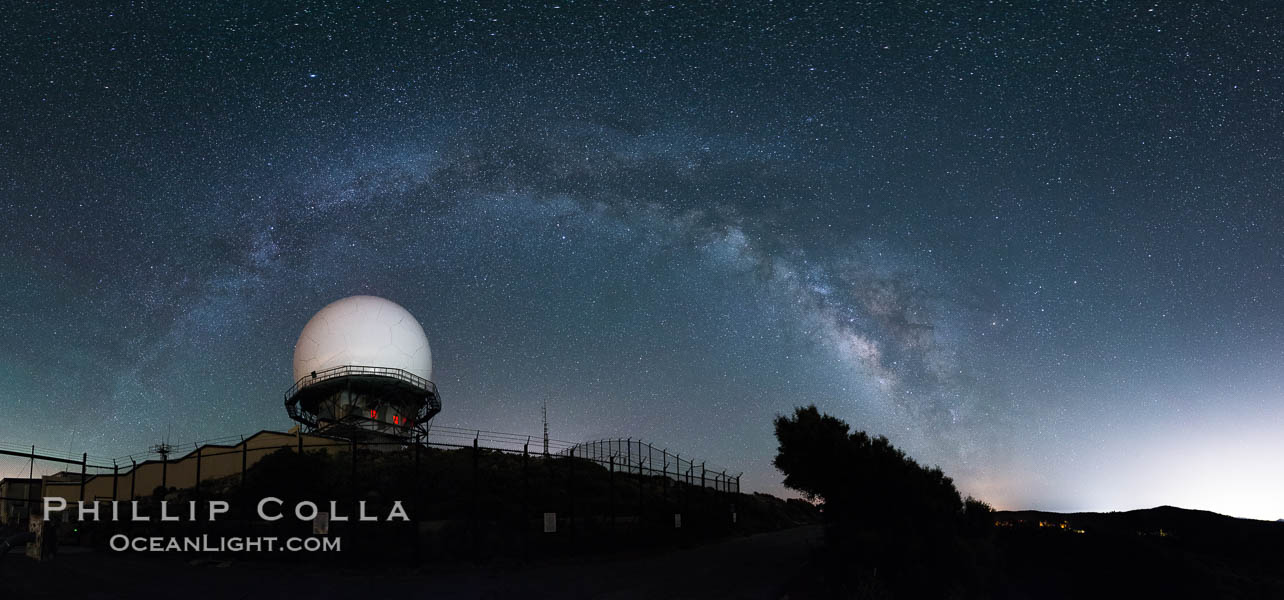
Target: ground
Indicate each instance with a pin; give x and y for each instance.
(752, 567)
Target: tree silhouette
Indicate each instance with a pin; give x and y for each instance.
(864, 479)
(812, 447)
(882, 509)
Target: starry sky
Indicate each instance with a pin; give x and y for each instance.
(1038, 245)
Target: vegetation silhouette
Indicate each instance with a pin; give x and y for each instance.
(897, 529)
(894, 528)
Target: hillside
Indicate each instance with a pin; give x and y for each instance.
(476, 505)
(1166, 551)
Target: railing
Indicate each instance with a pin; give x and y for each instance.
(347, 370)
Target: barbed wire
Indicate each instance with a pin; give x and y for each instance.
(64, 454)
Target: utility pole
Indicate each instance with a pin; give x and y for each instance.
(546, 427)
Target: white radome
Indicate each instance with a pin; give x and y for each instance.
(366, 331)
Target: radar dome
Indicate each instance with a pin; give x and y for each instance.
(365, 331)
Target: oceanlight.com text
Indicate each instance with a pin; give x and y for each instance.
(204, 543)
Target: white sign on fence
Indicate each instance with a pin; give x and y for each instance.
(321, 524)
(550, 522)
(677, 520)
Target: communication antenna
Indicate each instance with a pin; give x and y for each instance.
(546, 427)
(163, 449)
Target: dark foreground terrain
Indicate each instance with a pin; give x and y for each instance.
(757, 566)
(1163, 552)
(1157, 553)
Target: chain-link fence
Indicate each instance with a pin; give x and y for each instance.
(643, 458)
(24, 469)
(465, 492)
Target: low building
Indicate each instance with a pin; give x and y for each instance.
(17, 498)
(205, 463)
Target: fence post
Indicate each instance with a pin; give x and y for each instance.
(679, 490)
(570, 489)
(628, 456)
(165, 470)
(686, 492)
(472, 506)
(133, 476)
(611, 493)
(664, 475)
(416, 503)
(31, 469)
(84, 458)
(199, 451)
(723, 497)
(416, 472)
(548, 499)
(352, 480)
(526, 502)
(641, 485)
(705, 497)
(115, 478)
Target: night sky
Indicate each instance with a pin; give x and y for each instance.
(1040, 247)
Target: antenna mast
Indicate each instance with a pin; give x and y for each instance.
(546, 427)
(163, 449)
